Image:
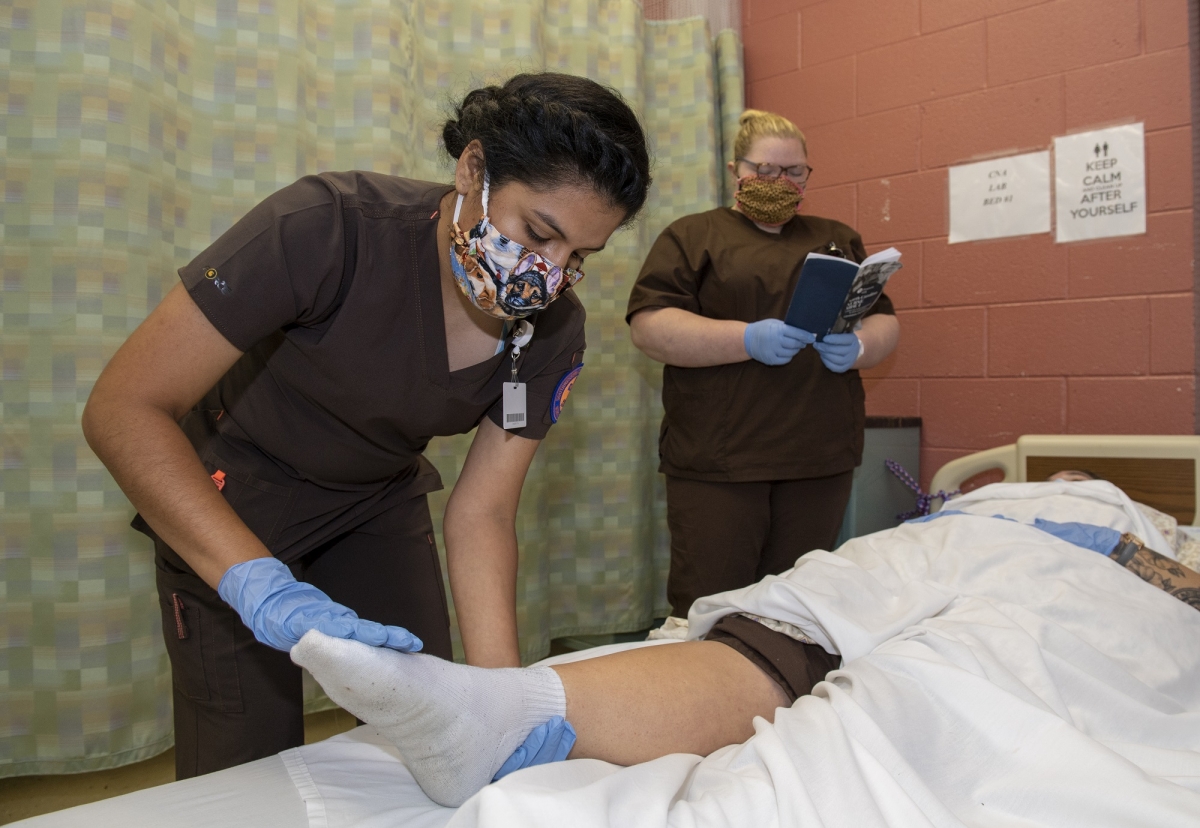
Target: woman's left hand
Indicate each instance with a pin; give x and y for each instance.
(839, 352)
(550, 741)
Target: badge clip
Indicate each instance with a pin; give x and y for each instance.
(514, 391)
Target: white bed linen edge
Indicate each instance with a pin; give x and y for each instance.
(314, 803)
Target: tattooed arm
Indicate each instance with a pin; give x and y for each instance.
(1153, 568)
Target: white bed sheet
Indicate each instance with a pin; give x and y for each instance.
(259, 793)
(995, 676)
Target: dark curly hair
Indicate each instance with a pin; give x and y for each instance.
(541, 129)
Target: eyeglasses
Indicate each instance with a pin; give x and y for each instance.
(798, 173)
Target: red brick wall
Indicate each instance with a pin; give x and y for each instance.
(1010, 336)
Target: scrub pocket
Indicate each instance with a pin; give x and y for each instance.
(201, 633)
(263, 506)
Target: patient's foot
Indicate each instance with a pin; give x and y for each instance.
(455, 725)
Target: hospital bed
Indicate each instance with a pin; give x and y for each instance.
(1162, 471)
(357, 779)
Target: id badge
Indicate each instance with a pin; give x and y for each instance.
(514, 405)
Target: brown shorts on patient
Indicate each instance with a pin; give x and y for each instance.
(794, 665)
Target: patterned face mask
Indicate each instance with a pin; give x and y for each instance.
(500, 277)
(769, 201)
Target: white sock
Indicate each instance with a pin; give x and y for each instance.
(455, 725)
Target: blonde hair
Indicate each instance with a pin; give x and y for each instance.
(757, 123)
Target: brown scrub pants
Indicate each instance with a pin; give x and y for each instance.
(795, 666)
(730, 535)
(237, 700)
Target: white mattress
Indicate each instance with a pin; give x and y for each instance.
(258, 793)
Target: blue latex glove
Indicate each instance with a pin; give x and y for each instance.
(550, 741)
(279, 609)
(839, 352)
(774, 342)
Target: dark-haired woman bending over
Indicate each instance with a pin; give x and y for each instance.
(268, 418)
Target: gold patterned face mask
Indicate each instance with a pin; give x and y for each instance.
(769, 201)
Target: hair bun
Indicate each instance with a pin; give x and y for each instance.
(751, 115)
(758, 123)
(482, 96)
(547, 128)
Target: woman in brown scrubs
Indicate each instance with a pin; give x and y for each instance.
(268, 418)
(762, 433)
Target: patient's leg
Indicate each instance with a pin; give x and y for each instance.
(694, 697)
(456, 724)
(637, 705)
(1166, 574)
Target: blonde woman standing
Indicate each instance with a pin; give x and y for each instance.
(762, 432)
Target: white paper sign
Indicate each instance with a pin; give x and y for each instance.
(1001, 197)
(1100, 180)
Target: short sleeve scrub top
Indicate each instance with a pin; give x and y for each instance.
(332, 288)
(758, 458)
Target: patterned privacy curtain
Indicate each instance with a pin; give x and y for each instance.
(135, 132)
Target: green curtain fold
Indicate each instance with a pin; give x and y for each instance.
(134, 133)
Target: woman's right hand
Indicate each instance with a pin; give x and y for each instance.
(774, 342)
(280, 610)
(688, 340)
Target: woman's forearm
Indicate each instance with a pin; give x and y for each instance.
(155, 465)
(481, 557)
(879, 335)
(131, 422)
(677, 337)
(481, 544)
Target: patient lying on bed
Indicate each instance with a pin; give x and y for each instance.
(1183, 544)
(455, 725)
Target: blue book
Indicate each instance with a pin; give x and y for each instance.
(832, 294)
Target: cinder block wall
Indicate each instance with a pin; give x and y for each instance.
(1012, 336)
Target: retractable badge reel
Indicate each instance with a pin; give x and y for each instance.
(514, 392)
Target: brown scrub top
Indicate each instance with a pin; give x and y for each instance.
(332, 288)
(747, 421)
